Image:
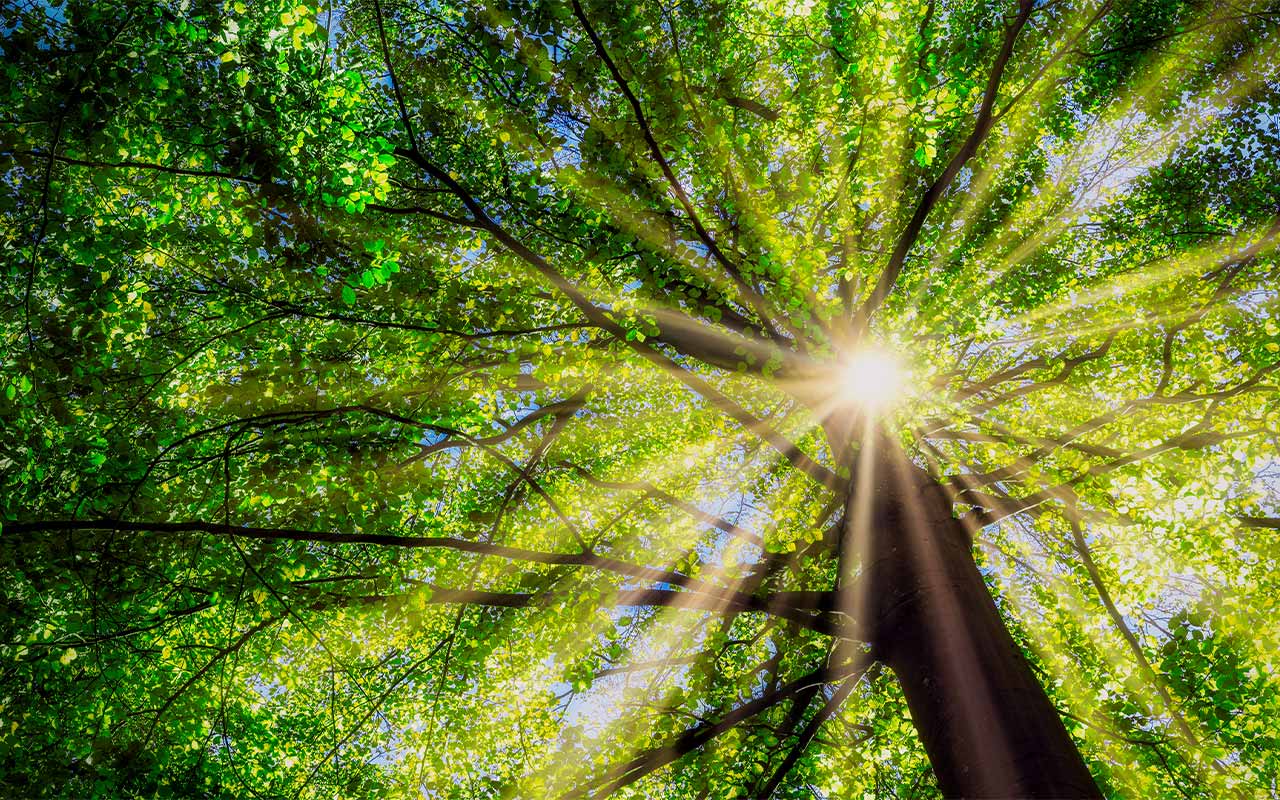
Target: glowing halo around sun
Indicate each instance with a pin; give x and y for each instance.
(871, 378)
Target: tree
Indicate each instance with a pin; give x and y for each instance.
(705, 399)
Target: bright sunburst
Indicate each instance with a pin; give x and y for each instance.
(871, 378)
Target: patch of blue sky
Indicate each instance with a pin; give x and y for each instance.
(593, 710)
(431, 437)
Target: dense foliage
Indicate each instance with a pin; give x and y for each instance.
(435, 400)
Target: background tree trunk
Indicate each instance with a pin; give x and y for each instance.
(985, 720)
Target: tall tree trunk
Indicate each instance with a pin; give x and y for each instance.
(984, 719)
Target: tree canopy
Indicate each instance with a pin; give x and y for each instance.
(451, 400)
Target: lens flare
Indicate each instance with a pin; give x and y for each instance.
(871, 378)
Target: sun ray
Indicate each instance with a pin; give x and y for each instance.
(1059, 201)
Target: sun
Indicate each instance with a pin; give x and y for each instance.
(871, 378)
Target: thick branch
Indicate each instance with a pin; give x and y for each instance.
(598, 317)
(753, 296)
(697, 594)
(982, 126)
(694, 738)
(723, 602)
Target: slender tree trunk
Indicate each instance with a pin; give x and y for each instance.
(984, 719)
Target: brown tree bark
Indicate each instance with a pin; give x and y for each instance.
(984, 719)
